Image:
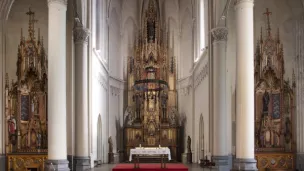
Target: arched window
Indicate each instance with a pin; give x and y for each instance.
(201, 29)
(98, 20)
(202, 25)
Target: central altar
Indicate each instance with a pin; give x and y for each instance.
(151, 117)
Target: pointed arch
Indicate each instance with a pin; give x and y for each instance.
(99, 138)
(201, 137)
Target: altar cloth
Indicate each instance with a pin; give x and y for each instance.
(150, 151)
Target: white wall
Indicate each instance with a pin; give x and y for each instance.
(99, 107)
(201, 108)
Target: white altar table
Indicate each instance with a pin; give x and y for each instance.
(150, 151)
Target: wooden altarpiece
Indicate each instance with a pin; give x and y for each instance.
(26, 105)
(151, 118)
(274, 105)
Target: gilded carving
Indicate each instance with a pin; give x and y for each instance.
(274, 105)
(26, 103)
(151, 117)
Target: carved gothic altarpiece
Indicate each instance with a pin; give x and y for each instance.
(26, 105)
(151, 116)
(274, 105)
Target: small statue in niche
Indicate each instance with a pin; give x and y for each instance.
(110, 144)
(164, 98)
(129, 119)
(189, 144)
(151, 30)
(137, 100)
(39, 140)
(287, 130)
(173, 121)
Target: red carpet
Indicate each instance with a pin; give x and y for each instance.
(150, 167)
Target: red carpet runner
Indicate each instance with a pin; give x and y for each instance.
(150, 167)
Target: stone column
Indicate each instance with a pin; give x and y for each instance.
(244, 86)
(82, 155)
(220, 153)
(57, 136)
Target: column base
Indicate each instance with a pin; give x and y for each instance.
(70, 159)
(221, 162)
(81, 163)
(2, 162)
(56, 165)
(116, 158)
(244, 164)
(300, 161)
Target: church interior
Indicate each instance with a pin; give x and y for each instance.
(210, 84)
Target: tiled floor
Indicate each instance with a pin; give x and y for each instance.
(192, 167)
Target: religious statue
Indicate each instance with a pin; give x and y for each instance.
(172, 117)
(39, 139)
(129, 119)
(164, 98)
(137, 100)
(110, 144)
(189, 144)
(287, 130)
(12, 126)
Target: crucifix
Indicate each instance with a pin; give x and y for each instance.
(268, 13)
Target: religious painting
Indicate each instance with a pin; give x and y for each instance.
(25, 104)
(276, 106)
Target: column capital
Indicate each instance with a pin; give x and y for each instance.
(63, 2)
(243, 3)
(81, 34)
(219, 34)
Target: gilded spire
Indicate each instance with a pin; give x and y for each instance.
(268, 28)
(32, 21)
(278, 35)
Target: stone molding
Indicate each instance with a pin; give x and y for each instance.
(236, 2)
(219, 34)
(102, 80)
(203, 73)
(300, 161)
(114, 90)
(239, 4)
(81, 34)
(63, 2)
(220, 160)
(81, 163)
(51, 165)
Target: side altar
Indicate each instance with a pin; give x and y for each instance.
(274, 105)
(26, 105)
(151, 117)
